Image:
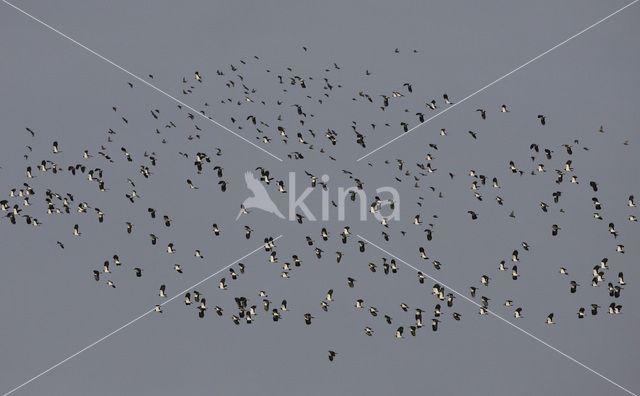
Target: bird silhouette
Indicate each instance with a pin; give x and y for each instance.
(260, 198)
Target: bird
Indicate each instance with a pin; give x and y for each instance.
(191, 185)
(307, 318)
(615, 309)
(574, 286)
(621, 278)
(434, 324)
(542, 118)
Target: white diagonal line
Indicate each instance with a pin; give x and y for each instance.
(141, 80)
(498, 80)
(500, 317)
(132, 321)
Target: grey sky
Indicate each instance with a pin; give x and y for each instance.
(50, 306)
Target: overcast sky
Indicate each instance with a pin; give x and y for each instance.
(51, 307)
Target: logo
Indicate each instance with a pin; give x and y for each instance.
(354, 195)
(260, 198)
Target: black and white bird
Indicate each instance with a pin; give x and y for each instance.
(549, 319)
(307, 318)
(574, 286)
(517, 313)
(542, 118)
(434, 324)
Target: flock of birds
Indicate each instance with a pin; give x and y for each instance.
(38, 198)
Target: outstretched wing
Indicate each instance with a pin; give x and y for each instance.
(253, 184)
(250, 179)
